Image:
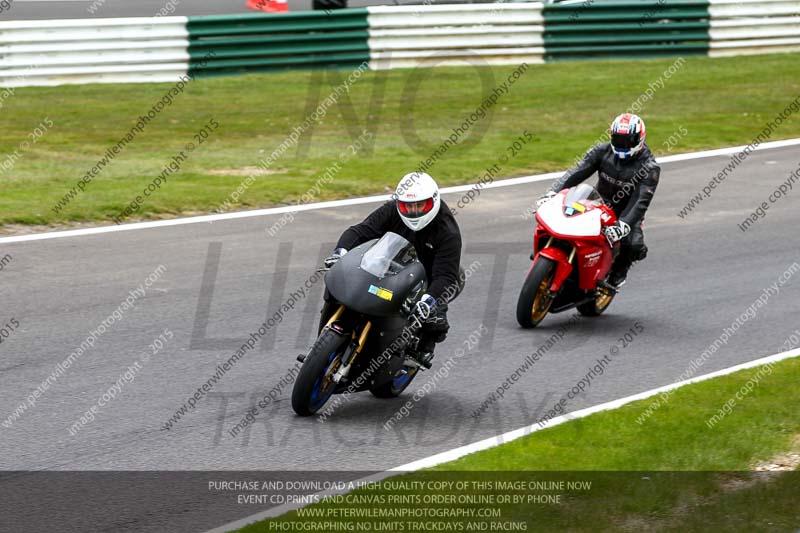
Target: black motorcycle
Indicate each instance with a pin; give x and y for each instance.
(364, 343)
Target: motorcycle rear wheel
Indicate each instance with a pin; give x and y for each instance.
(397, 385)
(314, 384)
(597, 306)
(535, 299)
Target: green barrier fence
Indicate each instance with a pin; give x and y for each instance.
(152, 50)
(592, 29)
(230, 44)
(626, 29)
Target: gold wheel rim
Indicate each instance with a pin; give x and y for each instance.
(542, 301)
(327, 379)
(603, 299)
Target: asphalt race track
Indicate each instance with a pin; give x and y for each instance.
(223, 279)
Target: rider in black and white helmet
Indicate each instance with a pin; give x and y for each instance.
(417, 213)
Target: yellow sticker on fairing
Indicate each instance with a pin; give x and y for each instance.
(380, 292)
(578, 207)
(385, 294)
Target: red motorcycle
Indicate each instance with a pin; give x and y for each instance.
(571, 257)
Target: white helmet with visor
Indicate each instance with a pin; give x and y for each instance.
(418, 200)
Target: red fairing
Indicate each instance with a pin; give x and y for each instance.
(593, 255)
(562, 270)
(593, 265)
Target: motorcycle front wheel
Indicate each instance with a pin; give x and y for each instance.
(535, 299)
(314, 385)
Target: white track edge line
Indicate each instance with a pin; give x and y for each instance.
(354, 201)
(509, 436)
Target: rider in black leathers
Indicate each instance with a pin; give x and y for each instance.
(628, 177)
(418, 214)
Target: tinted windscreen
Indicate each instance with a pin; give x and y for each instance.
(581, 193)
(388, 256)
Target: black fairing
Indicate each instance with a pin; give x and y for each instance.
(350, 285)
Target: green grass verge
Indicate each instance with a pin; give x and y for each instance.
(671, 472)
(565, 106)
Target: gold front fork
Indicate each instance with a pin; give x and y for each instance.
(344, 367)
(362, 341)
(362, 338)
(336, 316)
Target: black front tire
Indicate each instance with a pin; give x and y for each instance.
(314, 369)
(534, 299)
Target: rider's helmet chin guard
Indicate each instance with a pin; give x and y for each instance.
(418, 200)
(627, 135)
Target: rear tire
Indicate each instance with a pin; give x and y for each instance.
(313, 386)
(396, 386)
(597, 306)
(534, 299)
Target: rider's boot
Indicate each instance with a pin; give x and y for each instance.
(433, 331)
(423, 354)
(619, 274)
(622, 264)
(617, 279)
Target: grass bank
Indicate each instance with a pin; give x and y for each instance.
(565, 107)
(681, 469)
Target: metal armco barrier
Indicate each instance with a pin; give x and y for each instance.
(763, 27)
(409, 36)
(55, 52)
(163, 49)
(626, 29)
(653, 28)
(256, 42)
